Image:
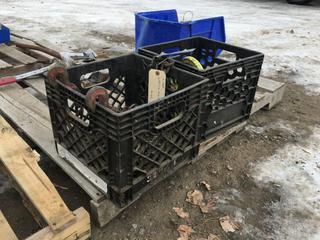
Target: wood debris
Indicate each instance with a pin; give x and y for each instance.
(184, 231)
(181, 213)
(228, 225)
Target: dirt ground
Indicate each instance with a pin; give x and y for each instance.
(245, 182)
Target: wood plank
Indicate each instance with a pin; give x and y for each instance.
(220, 137)
(38, 129)
(78, 230)
(6, 231)
(269, 84)
(31, 105)
(16, 55)
(275, 90)
(4, 64)
(35, 53)
(38, 85)
(22, 165)
(261, 100)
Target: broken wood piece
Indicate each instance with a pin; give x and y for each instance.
(76, 230)
(21, 163)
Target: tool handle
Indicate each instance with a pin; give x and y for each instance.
(7, 80)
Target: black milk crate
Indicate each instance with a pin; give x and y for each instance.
(133, 147)
(233, 73)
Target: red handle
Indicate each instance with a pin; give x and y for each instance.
(7, 80)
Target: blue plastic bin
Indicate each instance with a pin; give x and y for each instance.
(4, 34)
(163, 26)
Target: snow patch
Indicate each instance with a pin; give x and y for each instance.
(279, 125)
(296, 169)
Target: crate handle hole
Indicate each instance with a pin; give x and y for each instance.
(95, 78)
(78, 113)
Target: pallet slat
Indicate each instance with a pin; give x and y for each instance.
(79, 230)
(31, 105)
(275, 90)
(6, 231)
(13, 101)
(4, 64)
(22, 165)
(38, 85)
(33, 53)
(16, 55)
(220, 137)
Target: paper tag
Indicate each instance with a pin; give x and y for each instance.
(157, 84)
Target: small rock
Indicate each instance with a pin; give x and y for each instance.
(134, 226)
(141, 231)
(229, 168)
(172, 183)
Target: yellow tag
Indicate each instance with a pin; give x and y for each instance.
(157, 84)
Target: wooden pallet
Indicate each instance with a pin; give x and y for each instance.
(14, 60)
(26, 110)
(20, 163)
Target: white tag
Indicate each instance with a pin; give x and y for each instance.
(157, 84)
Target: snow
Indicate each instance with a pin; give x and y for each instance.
(279, 125)
(288, 35)
(296, 170)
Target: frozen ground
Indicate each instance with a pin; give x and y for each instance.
(295, 170)
(274, 187)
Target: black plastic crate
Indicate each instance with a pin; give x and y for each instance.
(233, 77)
(131, 143)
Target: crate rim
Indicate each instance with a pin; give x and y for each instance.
(203, 80)
(255, 53)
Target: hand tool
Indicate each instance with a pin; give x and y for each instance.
(68, 57)
(21, 77)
